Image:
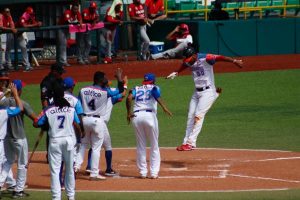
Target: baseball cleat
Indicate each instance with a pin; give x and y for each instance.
(17, 195)
(11, 188)
(154, 177)
(184, 147)
(97, 178)
(111, 172)
(107, 60)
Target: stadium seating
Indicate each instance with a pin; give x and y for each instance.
(293, 2)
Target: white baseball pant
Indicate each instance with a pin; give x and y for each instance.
(145, 41)
(10, 45)
(108, 36)
(94, 135)
(200, 103)
(61, 148)
(62, 36)
(146, 126)
(5, 177)
(171, 53)
(19, 148)
(84, 43)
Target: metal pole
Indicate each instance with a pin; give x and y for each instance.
(16, 60)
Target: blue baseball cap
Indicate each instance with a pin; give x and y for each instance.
(69, 82)
(149, 78)
(19, 84)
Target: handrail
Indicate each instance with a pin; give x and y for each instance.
(244, 8)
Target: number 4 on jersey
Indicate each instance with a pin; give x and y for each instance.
(91, 104)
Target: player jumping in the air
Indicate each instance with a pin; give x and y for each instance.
(205, 92)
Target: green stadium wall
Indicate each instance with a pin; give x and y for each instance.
(239, 37)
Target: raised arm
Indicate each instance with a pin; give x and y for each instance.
(217, 58)
(14, 91)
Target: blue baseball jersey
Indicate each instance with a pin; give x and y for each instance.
(145, 97)
(5, 113)
(60, 121)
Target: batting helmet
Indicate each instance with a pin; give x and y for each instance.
(184, 28)
(188, 51)
(93, 5)
(29, 10)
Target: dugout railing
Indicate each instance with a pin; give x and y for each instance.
(57, 27)
(201, 8)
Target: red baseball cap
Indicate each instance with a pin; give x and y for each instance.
(93, 4)
(29, 10)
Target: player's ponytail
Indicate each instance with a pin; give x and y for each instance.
(58, 97)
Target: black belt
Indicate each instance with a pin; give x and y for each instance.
(97, 116)
(202, 89)
(143, 110)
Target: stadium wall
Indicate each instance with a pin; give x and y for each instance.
(240, 37)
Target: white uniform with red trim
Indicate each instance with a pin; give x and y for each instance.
(203, 98)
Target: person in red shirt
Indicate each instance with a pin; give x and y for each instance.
(84, 43)
(182, 37)
(114, 15)
(7, 24)
(72, 16)
(27, 20)
(137, 13)
(155, 9)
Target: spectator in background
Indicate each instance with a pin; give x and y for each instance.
(72, 16)
(6, 24)
(181, 35)
(27, 20)
(155, 9)
(84, 43)
(137, 13)
(217, 13)
(113, 15)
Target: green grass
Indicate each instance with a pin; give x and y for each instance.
(257, 110)
(263, 195)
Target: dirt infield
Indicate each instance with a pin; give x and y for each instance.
(197, 170)
(136, 69)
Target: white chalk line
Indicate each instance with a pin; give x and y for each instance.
(273, 159)
(221, 149)
(167, 191)
(264, 178)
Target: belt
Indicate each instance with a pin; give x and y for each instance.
(142, 110)
(86, 115)
(202, 89)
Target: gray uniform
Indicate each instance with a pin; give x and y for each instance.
(84, 43)
(23, 45)
(15, 144)
(62, 36)
(144, 41)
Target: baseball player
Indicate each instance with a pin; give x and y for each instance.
(107, 139)
(114, 15)
(27, 20)
(5, 113)
(181, 35)
(15, 142)
(69, 85)
(205, 93)
(145, 123)
(94, 100)
(155, 10)
(7, 24)
(72, 16)
(137, 13)
(84, 43)
(61, 117)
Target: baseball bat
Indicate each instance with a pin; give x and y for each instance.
(35, 147)
(36, 63)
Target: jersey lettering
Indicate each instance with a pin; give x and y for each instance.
(61, 118)
(143, 95)
(91, 104)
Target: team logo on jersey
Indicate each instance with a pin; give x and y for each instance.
(92, 93)
(60, 110)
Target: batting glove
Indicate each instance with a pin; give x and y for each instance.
(172, 75)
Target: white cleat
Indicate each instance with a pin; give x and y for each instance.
(97, 178)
